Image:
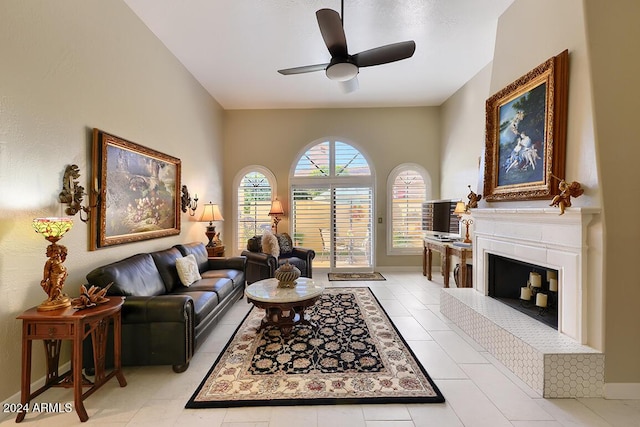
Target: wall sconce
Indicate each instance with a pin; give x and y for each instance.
(55, 273)
(211, 213)
(72, 193)
(187, 203)
(275, 212)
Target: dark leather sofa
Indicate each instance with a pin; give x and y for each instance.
(261, 265)
(163, 322)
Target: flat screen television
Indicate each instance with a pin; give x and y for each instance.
(439, 220)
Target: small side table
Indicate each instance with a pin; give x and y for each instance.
(446, 250)
(75, 325)
(215, 251)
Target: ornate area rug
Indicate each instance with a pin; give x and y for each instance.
(337, 277)
(354, 355)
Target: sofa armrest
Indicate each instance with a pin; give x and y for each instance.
(161, 308)
(232, 263)
(306, 254)
(259, 266)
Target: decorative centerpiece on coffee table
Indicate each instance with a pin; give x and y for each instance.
(287, 274)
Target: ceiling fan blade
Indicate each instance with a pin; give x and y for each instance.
(332, 32)
(305, 69)
(349, 86)
(385, 54)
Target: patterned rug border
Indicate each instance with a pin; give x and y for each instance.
(438, 398)
(335, 277)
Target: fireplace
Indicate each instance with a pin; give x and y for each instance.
(510, 282)
(511, 247)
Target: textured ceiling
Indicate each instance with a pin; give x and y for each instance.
(234, 48)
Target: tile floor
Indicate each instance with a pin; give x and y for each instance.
(478, 389)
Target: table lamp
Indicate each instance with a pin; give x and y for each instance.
(211, 213)
(55, 273)
(275, 212)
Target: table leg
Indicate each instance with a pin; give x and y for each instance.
(429, 258)
(117, 348)
(25, 393)
(77, 375)
(445, 267)
(463, 269)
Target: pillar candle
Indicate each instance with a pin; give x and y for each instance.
(541, 300)
(552, 274)
(525, 293)
(553, 285)
(535, 279)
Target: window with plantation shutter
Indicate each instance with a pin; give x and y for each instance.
(408, 187)
(255, 189)
(332, 206)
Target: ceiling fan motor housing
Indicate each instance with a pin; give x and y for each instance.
(341, 69)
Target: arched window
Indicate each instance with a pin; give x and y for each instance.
(408, 187)
(332, 205)
(255, 187)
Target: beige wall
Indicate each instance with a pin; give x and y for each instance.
(613, 35)
(69, 66)
(387, 136)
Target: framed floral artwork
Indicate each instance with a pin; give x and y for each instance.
(526, 126)
(138, 192)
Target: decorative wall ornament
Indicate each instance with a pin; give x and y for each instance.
(187, 203)
(73, 193)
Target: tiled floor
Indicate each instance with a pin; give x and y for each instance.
(478, 389)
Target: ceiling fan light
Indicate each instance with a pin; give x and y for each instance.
(342, 71)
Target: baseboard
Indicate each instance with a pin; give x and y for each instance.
(624, 391)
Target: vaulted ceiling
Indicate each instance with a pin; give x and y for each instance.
(234, 48)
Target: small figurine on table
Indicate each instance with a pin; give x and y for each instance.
(567, 190)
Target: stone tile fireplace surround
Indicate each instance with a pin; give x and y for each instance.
(555, 363)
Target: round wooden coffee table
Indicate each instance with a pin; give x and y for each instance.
(284, 307)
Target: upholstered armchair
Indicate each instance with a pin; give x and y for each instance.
(261, 265)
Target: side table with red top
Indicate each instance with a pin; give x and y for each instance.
(70, 324)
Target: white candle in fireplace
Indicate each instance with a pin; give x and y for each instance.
(553, 285)
(541, 300)
(535, 279)
(525, 293)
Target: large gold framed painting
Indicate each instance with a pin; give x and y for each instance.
(525, 134)
(138, 192)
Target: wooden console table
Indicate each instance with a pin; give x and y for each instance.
(70, 324)
(446, 250)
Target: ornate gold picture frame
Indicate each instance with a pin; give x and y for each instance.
(526, 126)
(138, 192)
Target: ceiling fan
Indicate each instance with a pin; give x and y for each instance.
(344, 67)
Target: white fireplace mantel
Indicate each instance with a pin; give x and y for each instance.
(545, 238)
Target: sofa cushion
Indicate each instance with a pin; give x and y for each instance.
(221, 286)
(270, 244)
(236, 276)
(133, 276)
(199, 251)
(204, 302)
(285, 243)
(254, 244)
(166, 263)
(188, 270)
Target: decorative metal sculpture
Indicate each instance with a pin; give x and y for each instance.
(186, 202)
(73, 193)
(473, 199)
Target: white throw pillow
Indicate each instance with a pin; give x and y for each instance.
(188, 269)
(270, 244)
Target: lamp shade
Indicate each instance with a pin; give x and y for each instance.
(211, 213)
(276, 208)
(52, 228)
(460, 208)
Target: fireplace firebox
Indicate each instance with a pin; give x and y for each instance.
(507, 278)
